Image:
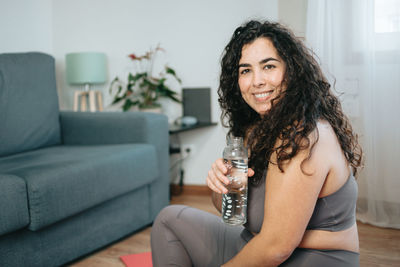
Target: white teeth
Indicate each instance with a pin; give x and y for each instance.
(262, 95)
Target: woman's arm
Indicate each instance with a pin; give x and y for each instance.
(290, 199)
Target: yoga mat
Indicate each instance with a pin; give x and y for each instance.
(137, 260)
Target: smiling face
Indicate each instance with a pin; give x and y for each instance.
(261, 72)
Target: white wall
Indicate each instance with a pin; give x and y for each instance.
(193, 33)
(293, 13)
(26, 25)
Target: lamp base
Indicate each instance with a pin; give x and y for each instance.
(83, 98)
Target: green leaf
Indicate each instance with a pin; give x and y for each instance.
(115, 81)
(175, 99)
(119, 89)
(166, 92)
(128, 104)
(173, 73)
(161, 81)
(170, 71)
(117, 99)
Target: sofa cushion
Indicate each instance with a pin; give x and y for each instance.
(14, 212)
(29, 112)
(65, 180)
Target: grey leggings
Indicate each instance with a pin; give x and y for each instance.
(185, 236)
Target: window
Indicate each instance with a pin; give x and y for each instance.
(387, 16)
(387, 25)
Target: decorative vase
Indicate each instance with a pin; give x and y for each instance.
(151, 109)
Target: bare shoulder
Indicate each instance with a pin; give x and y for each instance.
(327, 143)
(321, 140)
(325, 129)
(316, 152)
(323, 148)
(323, 133)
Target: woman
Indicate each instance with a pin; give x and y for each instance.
(302, 192)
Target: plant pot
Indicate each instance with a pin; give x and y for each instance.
(151, 109)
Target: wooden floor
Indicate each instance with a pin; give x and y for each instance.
(378, 246)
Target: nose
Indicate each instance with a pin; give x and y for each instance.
(258, 78)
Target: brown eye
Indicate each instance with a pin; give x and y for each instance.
(244, 71)
(269, 66)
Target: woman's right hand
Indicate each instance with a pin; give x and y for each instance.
(216, 178)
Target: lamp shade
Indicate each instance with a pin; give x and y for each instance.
(86, 68)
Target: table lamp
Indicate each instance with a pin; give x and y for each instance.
(86, 68)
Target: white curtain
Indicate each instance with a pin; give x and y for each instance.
(358, 44)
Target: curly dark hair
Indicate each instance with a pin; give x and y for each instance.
(306, 99)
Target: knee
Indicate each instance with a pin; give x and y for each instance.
(166, 219)
(168, 214)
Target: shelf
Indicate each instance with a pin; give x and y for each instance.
(174, 128)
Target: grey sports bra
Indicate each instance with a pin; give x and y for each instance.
(335, 212)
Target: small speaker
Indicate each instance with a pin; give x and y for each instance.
(197, 103)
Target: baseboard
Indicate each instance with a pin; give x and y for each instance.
(197, 190)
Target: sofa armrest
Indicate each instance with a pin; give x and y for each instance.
(14, 213)
(84, 128)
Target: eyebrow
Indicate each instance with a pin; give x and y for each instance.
(265, 60)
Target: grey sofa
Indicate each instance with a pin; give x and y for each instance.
(71, 182)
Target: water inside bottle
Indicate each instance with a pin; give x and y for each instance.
(234, 203)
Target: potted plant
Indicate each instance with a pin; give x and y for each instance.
(142, 88)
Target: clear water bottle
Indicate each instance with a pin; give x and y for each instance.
(234, 203)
